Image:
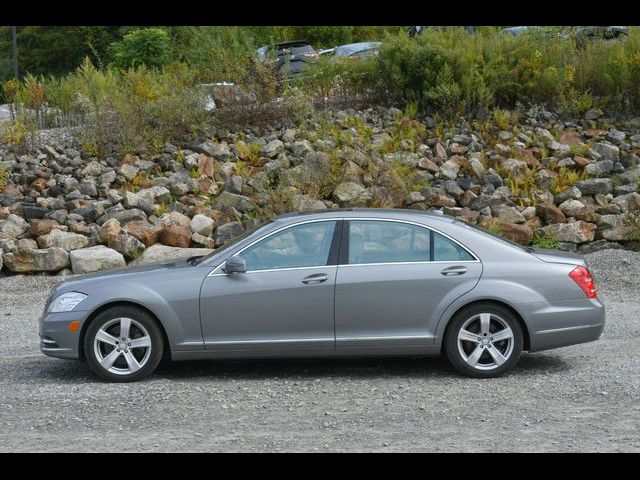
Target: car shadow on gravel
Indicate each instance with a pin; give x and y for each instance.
(76, 372)
(364, 368)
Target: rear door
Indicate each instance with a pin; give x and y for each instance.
(394, 280)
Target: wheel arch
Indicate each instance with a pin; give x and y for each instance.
(121, 303)
(525, 330)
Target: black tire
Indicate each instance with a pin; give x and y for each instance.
(484, 368)
(140, 319)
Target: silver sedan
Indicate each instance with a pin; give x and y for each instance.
(339, 283)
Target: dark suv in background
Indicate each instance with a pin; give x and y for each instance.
(288, 57)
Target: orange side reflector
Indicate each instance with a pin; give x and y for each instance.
(73, 326)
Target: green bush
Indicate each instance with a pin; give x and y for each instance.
(147, 46)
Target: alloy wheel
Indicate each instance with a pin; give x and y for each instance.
(122, 346)
(485, 341)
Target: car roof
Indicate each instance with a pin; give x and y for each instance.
(380, 213)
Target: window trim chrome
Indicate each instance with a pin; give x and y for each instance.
(214, 272)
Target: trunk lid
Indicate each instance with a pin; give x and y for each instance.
(556, 256)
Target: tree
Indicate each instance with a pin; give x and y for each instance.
(147, 46)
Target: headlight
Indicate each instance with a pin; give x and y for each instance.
(66, 302)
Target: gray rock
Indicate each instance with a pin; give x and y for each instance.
(126, 244)
(606, 151)
(40, 260)
(449, 169)
(576, 232)
(600, 168)
(226, 232)
(272, 149)
(594, 186)
(629, 202)
(508, 214)
(233, 184)
(303, 203)
(95, 258)
(301, 148)
(14, 226)
(347, 192)
(239, 202)
(203, 225)
(93, 169)
(108, 177)
(129, 171)
(154, 195)
(610, 221)
(598, 245)
(65, 240)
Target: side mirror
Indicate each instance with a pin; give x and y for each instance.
(235, 264)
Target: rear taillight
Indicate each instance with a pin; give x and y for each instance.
(583, 278)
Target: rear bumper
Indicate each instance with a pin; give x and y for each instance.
(560, 324)
(55, 338)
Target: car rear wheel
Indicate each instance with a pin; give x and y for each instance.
(484, 340)
(123, 344)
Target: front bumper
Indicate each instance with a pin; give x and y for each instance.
(562, 324)
(55, 338)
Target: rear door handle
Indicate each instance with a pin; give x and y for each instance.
(455, 270)
(315, 278)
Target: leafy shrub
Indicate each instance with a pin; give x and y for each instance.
(544, 240)
(3, 179)
(147, 46)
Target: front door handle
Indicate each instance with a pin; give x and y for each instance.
(455, 270)
(315, 278)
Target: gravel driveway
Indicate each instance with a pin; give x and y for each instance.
(581, 398)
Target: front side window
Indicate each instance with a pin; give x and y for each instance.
(372, 241)
(306, 245)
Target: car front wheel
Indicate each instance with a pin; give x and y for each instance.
(123, 344)
(484, 340)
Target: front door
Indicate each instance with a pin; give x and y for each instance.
(395, 281)
(284, 300)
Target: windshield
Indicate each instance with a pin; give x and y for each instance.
(232, 242)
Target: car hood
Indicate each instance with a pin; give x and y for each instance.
(93, 279)
(555, 256)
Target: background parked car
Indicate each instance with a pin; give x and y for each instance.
(357, 50)
(585, 34)
(292, 57)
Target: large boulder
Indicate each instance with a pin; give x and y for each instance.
(14, 226)
(39, 260)
(126, 244)
(272, 149)
(594, 186)
(575, 232)
(239, 202)
(95, 258)
(203, 225)
(521, 234)
(66, 240)
(302, 203)
(162, 253)
(144, 231)
(228, 231)
(175, 236)
(347, 192)
(550, 213)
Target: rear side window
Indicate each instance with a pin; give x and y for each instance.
(444, 250)
(372, 241)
